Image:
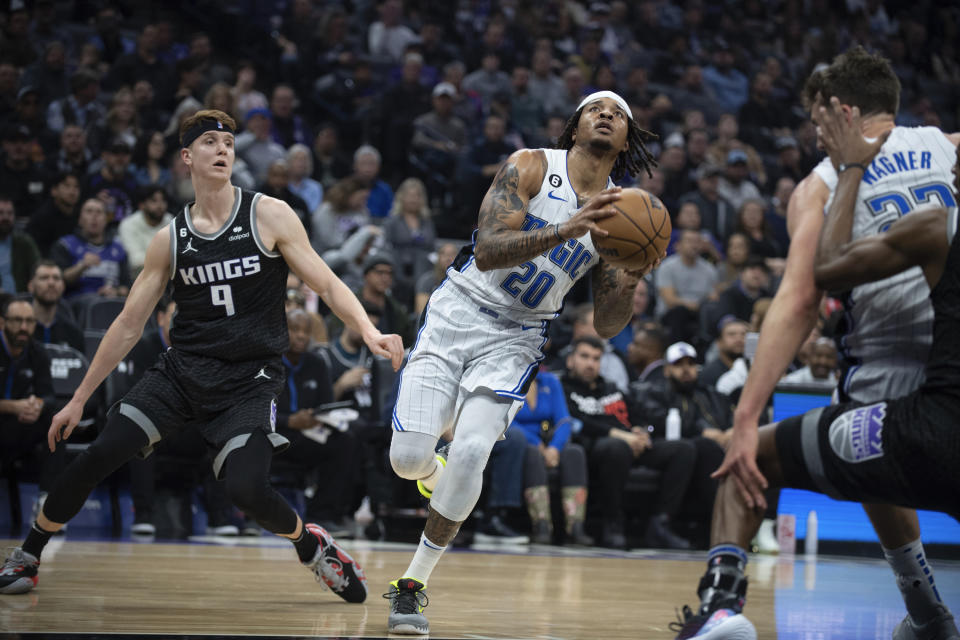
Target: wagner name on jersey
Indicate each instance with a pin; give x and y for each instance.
(228, 287)
(536, 288)
(888, 323)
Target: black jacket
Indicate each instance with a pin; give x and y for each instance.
(600, 407)
(27, 375)
(699, 409)
(308, 385)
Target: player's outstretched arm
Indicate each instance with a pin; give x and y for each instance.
(500, 243)
(281, 228)
(123, 334)
(791, 317)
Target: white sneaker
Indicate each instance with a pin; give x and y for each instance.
(941, 627)
(766, 541)
(223, 530)
(143, 529)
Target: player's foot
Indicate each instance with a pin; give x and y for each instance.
(407, 600)
(442, 454)
(722, 624)
(335, 568)
(941, 627)
(19, 572)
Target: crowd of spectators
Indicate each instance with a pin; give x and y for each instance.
(381, 123)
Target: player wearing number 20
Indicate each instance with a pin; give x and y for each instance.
(226, 257)
(485, 326)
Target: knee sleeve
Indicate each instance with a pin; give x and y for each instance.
(482, 420)
(412, 454)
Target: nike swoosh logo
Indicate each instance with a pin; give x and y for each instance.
(550, 195)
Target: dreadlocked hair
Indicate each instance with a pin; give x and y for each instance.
(631, 161)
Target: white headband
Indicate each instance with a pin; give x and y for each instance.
(607, 94)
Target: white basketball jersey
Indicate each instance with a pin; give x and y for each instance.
(536, 288)
(888, 323)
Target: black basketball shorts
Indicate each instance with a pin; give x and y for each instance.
(904, 451)
(225, 401)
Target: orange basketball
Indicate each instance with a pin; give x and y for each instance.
(639, 232)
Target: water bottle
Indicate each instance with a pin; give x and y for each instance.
(810, 545)
(673, 424)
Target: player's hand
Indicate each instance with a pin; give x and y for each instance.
(385, 346)
(551, 457)
(64, 422)
(585, 220)
(301, 420)
(842, 137)
(740, 464)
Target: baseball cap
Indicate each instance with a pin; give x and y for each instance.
(17, 132)
(26, 91)
(444, 89)
(680, 350)
(118, 145)
(736, 156)
(259, 111)
(707, 170)
(675, 139)
(375, 260)
(786, 142)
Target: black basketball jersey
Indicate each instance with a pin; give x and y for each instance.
(943, 366)
(228, 287)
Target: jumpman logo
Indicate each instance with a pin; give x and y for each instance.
(189, 246)
(262, 374)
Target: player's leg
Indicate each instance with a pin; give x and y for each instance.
(723, 588)
(482, 419)
(120, 440)
(245, 441)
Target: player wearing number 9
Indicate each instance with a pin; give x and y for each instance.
(225, 258)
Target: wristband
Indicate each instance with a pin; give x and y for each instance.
(556, 230)
(850, 165)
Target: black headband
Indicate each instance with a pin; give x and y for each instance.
(201, 127)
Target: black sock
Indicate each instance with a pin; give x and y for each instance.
(306, 545)
(36, 540)
(724, 586)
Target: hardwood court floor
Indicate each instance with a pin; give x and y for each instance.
(104, 588)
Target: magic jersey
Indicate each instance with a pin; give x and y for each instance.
(886, 329)
(535, 289)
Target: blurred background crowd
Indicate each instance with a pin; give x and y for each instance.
(382, 123)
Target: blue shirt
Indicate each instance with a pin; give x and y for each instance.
(551, 410)
(7, 282)
(380, 200)
(310, 191)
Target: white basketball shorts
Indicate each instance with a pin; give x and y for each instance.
(464, 348)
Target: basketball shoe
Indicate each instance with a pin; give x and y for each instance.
(721, 624)
(442, 454)
(335, 568)
(407, 600)
(19, 572)
(941, 627)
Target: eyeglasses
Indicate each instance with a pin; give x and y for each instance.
(20, 321)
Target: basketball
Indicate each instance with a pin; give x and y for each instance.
(639, 232)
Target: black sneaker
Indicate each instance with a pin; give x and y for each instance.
(659, 534)
(335, 568)
(612, 535)
(19, 572)
(496, 531)
(407, 601)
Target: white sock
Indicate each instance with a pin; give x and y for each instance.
(424, 560)
(430, 482)
(915, 579)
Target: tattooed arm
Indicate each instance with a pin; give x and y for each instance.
(612, 298)
(500, 243)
